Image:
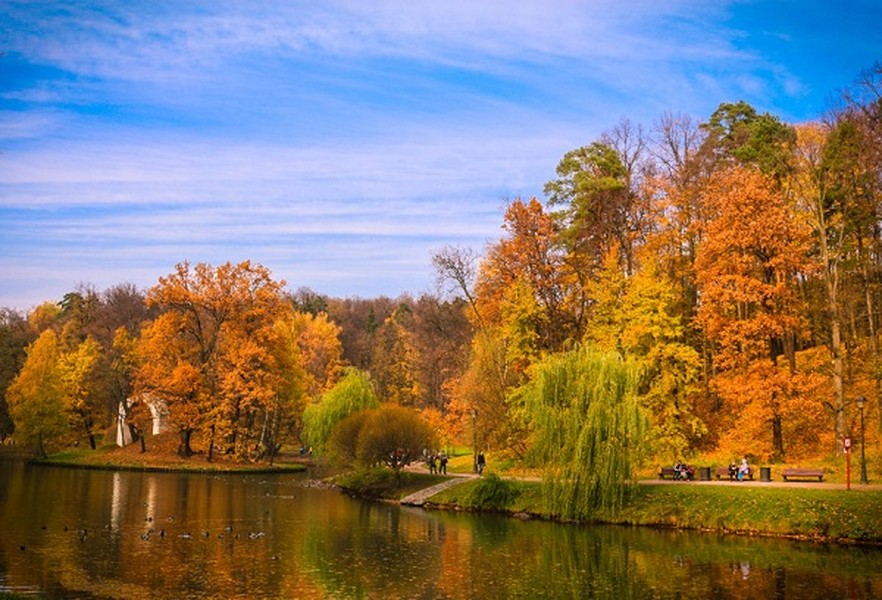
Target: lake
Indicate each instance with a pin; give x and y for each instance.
(71, 533)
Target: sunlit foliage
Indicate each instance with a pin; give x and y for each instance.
(588, 429)
(354, 392)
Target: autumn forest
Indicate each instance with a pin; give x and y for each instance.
(733, 264)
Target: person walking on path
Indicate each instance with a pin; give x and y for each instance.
(481, 463)
(442, 469)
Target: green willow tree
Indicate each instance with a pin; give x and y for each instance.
(588, 429)
(354, 392)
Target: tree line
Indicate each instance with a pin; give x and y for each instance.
(731, 266)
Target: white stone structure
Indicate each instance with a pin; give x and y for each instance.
(158, 412)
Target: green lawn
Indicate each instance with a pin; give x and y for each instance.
(802, 512)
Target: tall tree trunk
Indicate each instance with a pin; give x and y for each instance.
(831, 284)
(211, 444)
(874, 344)
(777, 438)
(184, 447)
(88, 425)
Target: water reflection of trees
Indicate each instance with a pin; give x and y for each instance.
(252, 537)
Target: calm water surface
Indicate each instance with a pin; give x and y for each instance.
(70, 533)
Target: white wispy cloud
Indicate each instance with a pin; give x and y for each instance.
(339, 142)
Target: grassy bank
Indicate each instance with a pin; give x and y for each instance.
(84, 459)
(161, 455)
(806, 513)
(381, 484)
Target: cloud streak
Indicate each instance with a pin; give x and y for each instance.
(340, 143)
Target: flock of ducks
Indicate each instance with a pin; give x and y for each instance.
(83, 533)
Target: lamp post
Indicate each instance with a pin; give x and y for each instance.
(861, 402)
(475, 440)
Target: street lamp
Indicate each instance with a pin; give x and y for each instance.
(861, 401)
(475, 439)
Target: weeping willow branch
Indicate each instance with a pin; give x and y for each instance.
(588, 430)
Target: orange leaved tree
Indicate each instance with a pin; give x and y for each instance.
(209, 355)
(753, 251)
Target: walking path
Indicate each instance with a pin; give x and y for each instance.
(826, 485)
(419, 498)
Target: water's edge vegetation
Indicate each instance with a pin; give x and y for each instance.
(819, 515)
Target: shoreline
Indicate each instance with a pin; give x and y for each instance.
(660, 505)
(824, 514)
(200, 470)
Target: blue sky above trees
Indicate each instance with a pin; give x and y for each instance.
(341, 143)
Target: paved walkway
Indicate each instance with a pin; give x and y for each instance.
(419, 498)
(778, 483)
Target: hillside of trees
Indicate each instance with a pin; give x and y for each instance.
(734, 264)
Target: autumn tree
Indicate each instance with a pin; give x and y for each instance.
(654, 337)
(15, 335)
(36, 396)
(393, 360)
(82, 390)
(853, 161)
(207, 354)
(359, 319)
(748, 265)
(440, 336)
(527, 260)
(321, 352)
(519, 311)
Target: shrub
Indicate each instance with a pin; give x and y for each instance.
(492, 493)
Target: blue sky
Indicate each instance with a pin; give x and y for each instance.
(341, 143)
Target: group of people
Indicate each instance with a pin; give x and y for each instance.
(683, 471)
(437, 462)
(686, 472)
(737, 472)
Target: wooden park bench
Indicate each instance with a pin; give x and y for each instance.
(666, 472)
(723, 473)
(789, 474)
(669, 472)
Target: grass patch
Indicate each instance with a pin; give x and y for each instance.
(381, 483)
(801, 512)
(797, 512)
(519, 496)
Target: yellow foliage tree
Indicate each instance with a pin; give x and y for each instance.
(36, 397)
